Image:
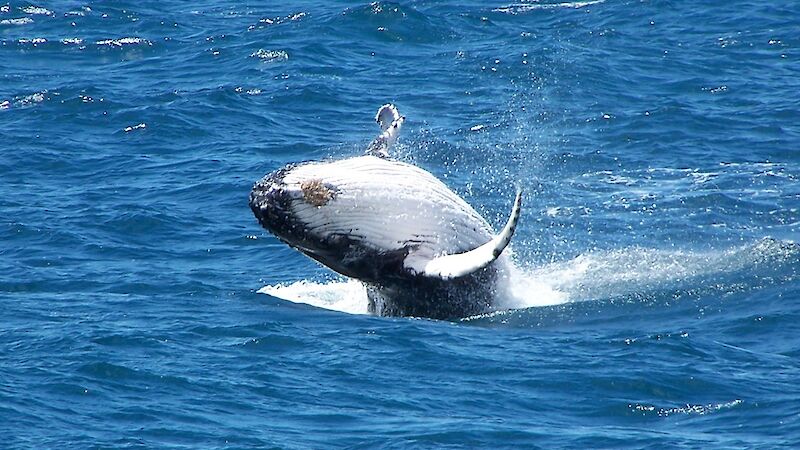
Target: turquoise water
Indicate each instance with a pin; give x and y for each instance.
(658, 144)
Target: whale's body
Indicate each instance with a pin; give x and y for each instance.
(419, 248)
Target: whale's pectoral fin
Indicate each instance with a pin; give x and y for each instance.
(390, 120)
(460, 264)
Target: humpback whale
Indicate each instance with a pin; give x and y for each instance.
(417, 246)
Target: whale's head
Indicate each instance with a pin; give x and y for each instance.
(318, 211)
(375, 219)
(278, 204)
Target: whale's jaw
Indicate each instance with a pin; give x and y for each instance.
(271, 203)
(274, 203)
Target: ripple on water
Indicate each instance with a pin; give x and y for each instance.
(269, 22)
(393, 22)
(270, 55)
(687, 409)
(121, 376)
(29, 100)
(37, 11)
(119, 42)
(526, 7)
(16, 21)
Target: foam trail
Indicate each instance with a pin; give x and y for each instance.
(599, 275)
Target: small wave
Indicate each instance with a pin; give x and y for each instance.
(123, 41)
(525, 7)
(26, 100)
(34, 42)
(270, 55)
(389, 21)
(687, 409)
(254, 91)
(37, 11)
(140, 126)
(17, 21)
(78, 13)
(272, 21)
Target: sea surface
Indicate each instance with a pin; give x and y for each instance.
(657, 303)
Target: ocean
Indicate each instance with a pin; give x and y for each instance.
(657, 303)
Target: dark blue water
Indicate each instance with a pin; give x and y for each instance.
(658, 144)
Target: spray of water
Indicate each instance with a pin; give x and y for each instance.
(592, 276)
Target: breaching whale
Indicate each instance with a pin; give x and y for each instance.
(419, 248)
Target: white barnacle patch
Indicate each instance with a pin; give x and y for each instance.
(315, 192)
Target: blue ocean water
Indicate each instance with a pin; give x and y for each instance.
(658, 144)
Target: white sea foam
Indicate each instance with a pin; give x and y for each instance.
(592, 276)
(524, 7)
(348, 296)
(123, 41)
(16, 21)
(270, 55)
(30, 100)
(34, 41)
(37, 11)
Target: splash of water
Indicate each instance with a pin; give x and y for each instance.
(591, 276)
(347, 296)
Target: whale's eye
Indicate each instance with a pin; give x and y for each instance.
(315, 192)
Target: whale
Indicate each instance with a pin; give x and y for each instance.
(419, 249)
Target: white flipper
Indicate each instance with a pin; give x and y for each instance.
(460, 264)
(390, 120)
(387, 114)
